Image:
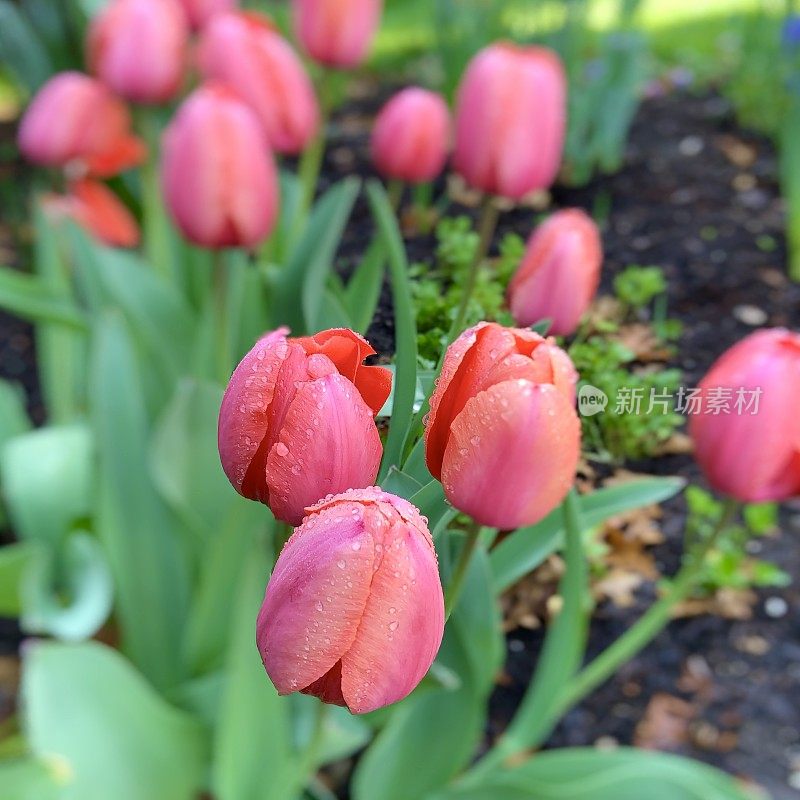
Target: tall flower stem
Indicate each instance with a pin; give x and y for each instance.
(461, 569)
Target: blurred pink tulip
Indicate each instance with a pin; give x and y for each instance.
(411, 137)
(503, 435)
(200, 12)
(75, 122)
(560, 273)
(245, 51)
(510, 120)
(139, 48)
(337, 33)
(297, 420)
(219, 177)
(96, 208)
(747, 430)
(354, 612)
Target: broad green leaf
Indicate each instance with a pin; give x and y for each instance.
(13, 421)
(405, 381)
(15, 559)
(585, 774)
(363, 290)
(397, 482)
(525, 549)
(21, 50)
(432, 503)
(139, 534)
(333, 313)
(87, 709)
(47, 480)
(252, 744)
(29, 297)
(68, 592)
(27, 778)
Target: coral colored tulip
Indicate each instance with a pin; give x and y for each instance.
(510, 120)
(95, 207)
(354, 612)
(560, 273)
(746, 431)
(297, 421)
(503, 435)
(337, 33)
(200, 12)
(219, 177)
(139, 48)
(411, 137)
(74, 121)
(246, 52)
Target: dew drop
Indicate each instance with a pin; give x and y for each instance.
(281, 449)
(341, 563)
(393, 625)
(320, 607)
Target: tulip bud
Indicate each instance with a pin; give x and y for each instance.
(200, 12)
(503, 435)
(297, 420)
(93, 130)
(746, 431)
(96, 208)
(219, 177)
(560, 273)
(337, 33)
(510, 120)
(354, 612)
(411, 136)
(139, 48)
(246, 52)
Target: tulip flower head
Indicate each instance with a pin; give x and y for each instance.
(503, 435)
(200, 12)
(97, 209)
(560, 273)
(91, 133)
(297, 420)
(139, 48)
(411, 137)
(219, 177)
(245, 51)
(336, 33)
(747, 431)
(354, 612)
(511, 119)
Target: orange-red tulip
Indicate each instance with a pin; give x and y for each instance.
(75, 122)
(245, 51)
(510, 120)
(503, 435)
(746, 429)
(354, 612)
(219, 177)
(139, 48)
(297, 421)
(560, 273)
(411, 137)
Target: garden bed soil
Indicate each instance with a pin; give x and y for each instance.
(698, 197)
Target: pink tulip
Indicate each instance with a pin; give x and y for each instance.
(560, 273)
(354, 612)
(503, 435)
(297, 421)
(246, 52)
(139, 48)
(96, 208)
(510, 120)
(411, 137)
(200, 12)
(75, 122)
(747, 430)
(337, 33)
(219, 177)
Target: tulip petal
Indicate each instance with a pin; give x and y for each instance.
(512, 454)
(315, 600)
(401, 628)
(244, 414)
(328, 443)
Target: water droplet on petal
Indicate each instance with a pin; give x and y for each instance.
(320, 607)
(281, 449)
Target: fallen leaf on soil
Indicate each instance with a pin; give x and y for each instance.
(736, 151)
(665, 725)
(524, 605)
(726, 603)
(679, 444)
(643, 342)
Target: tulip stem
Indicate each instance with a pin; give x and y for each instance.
(487, 226)
(394, 190)
(461, 569)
